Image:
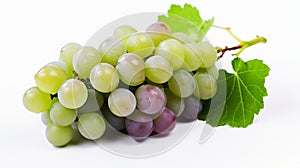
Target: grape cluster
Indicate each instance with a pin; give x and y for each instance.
(138, 82)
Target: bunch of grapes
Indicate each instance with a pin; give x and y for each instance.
(139, 83)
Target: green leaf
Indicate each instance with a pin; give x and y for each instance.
(187, 20)
(239, 96)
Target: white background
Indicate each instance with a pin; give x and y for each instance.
(33, 31)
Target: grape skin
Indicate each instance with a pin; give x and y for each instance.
(150, 99)
(165, 122)
(193, 107)
(131, 69)
(140, 44)
(63, 66)
(208, 54)
(123, 32)
(158, 69)
(93, 103)
(36, 101)
(212, 70)
(49, 78)
(104, 78)
(67, 53)
(91, 125)
(62, 116)
(173, 51)
(85, 59)
(192, 56)
(176, 104)
(183, 38)
(111, 50)
(139, 126)
(45, 117)
(206, 86)
(159, 32)
(72, 94)
(121, 102)
(182, 84)
(116, 122)
(59, 135)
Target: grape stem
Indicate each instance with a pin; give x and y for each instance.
(86, 81)
(242, 46)
(53, 96)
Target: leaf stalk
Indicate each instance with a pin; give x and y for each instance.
(242, 43)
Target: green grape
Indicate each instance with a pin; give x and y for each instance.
(131, 69)
(91, 125)
(176, 104)
(208, 54)
(158, 69)
(140, 44)
(121, 102)
(36, 101)
(173, 51)
(62, 116)
(54, 99)
(206, 86)
(104, 78)
(45, 116)
(123, 32)
(159, 32)
(72, 94)
(192, 58)
(67, 53)
(182, 84)
(84, 60)
(112, 120)
(212, 70)
(59, 135)
(94, 102)
(111, 49)
(63, 66)
(49, 78)
(183, 38)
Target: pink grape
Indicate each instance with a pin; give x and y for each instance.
(150, 99)
(159, 31)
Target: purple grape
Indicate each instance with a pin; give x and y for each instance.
(139, 126)
(192, 108)
(165, 122)
(150, 99)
